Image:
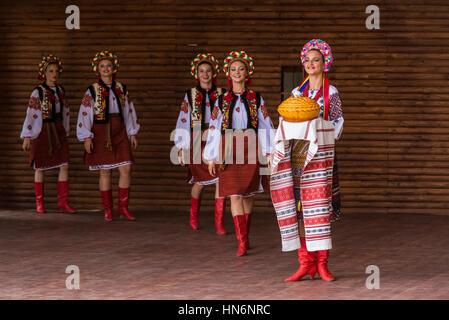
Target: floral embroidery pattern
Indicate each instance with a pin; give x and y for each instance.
(214, 114)
(264, 111)
(34, 103)
(34, 116)
(29, 127)
(184, 106)
(251, 97)
(197, 107)
(87, 101)
(228, 97)
(183, 120)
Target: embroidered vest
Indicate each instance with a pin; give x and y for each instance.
(197, 100)
(48, 102)
(251, 100)
(100, 93)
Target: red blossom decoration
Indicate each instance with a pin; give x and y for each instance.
(199, 98)
(104, 92)
(228, 97)
(35, 116)
(51, 96)
(118, 91)
(251, 95)
(183, 120)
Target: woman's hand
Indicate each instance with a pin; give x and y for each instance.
(88, 145)
(134, 142)
(212, 168)
(181, 157)
(269, 160)
(26, 144)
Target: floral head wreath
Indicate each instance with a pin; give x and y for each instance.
(46, 60)
(105, 55)
(241, 56)
(204, 57)
(321, 46)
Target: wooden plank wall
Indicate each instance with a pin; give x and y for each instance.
(393, 154)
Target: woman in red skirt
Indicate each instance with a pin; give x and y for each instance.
(194, 117)
(107, 124)
(45, 132)
(239, 125)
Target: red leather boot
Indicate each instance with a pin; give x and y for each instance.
(63, 197)
(220, 205)
(321, 257)
(307, 263)
(194, 209)
(241, 233)
(248, 222)
(39, 192)
(106, 197)
(123, 200)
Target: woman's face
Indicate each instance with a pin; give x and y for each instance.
(52, 73)
(205, 73)
(238, 71)
(105, 68)
(313, 63)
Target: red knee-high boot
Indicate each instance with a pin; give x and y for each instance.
(194, 209)
(241, 233)
(220, 205)
(321, 257)
(106, 197)
(248, 222)
(39, 192)
(63, 197)
(123, 200)
(307, 263)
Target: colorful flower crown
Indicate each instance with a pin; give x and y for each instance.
(46, 60)
(105, 55)
(204, 57)
(241, 56)
(323, 47)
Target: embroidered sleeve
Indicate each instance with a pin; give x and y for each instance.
(32, 125)
(182, 132)
(215, 112)
(265, 129)
(213, 143)
(130, 118)
(85, 119)
(87, 101)
(335, 111)
(185, 106)
(34, 103)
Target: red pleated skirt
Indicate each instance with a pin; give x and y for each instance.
(242, 179)
(199, 172)
(40, 157)
(121, 148)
